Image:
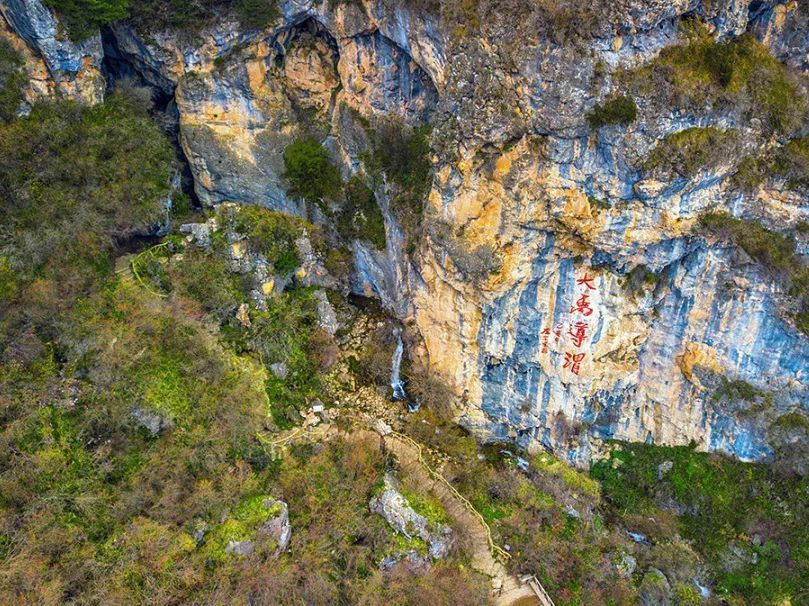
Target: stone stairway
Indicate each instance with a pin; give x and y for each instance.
(506, 588)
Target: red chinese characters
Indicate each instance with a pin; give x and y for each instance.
(545, 334)
(573, 361)
(582, 305)
(586, 281)
(578, 333)
(578, 329)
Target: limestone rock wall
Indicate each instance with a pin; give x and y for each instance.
(70, 69)
(556, 347)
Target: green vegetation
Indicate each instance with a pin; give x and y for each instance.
(361, 217)
(738, 390)
(131, 409)
(71, 179)
(774, 251)
(401, 154)
(338, 544)
(310, 173)
(476, 261)
(12, 80)
(621, 110)
(531, 513)
(269, 233)
(687, 152)
(770, 529)
(426, 506)
(740, 73)
(82, 18)
(640, 278)
(789, 162)
(242, 525)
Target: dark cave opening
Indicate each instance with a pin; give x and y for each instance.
(118, 69)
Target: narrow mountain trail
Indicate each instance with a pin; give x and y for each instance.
(410, 458)
(486, 556)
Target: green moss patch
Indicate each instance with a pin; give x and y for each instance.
(687, 152)
(772, 250)
(361, 217)
(310, 173)
(12, 80)
(740, 73)
(711, 488)
(621, 110)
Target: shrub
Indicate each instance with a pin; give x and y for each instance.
(205, 277)
(256, 14)
(310, 172)
(740, 73)
(476, 262)
(771, 249)
(708, 488)
(402, 154)
(640, 278)
(689, 151)
(73, 178)
(621, 110)
(790, 163)
(431, 391)
(737, 390)
(372, 365)
(269, 233)
(82, 18)
(12, 80)
(768, 248)
(361, 217)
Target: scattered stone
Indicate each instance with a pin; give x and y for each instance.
(153, 422)
(394, 507)
(571, 511)
(326, 313)
(522, 464)
(655, 589)
(626, 565)
(200, 529)
(637, 537)
(243, 316)
(279, 369)
(198, 233)
(277, 526)
(238, 250)
(240, 548)
(380, 427)
(663, 469)
(268, 287)
(310, 420)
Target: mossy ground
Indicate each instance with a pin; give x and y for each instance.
(729, 505)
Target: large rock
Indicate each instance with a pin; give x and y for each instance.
(392, 505)
(75, 69)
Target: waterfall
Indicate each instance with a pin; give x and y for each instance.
(396, 382)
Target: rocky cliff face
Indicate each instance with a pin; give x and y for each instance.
(55, 64)
(520, 291)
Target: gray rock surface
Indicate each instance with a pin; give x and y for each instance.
(392, 505)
